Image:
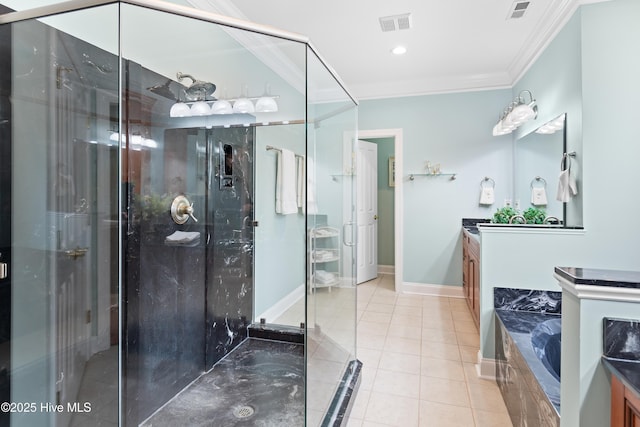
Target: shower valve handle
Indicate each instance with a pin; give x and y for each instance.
(189, 211)
(181, 210)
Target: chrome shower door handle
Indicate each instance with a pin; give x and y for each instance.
(4, 270)
(344, 233)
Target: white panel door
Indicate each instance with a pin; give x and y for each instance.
(367, 211)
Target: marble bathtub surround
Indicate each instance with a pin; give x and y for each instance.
(527, 300)
(527, 354)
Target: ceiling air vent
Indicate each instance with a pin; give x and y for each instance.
(395, 22)
(518, 9)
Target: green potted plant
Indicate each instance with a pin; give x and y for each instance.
(503, 215)
(534, 215)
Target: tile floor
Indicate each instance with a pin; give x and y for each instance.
(418, 354)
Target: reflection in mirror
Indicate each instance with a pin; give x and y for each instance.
(537, 158)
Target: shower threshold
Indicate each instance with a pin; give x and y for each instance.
(260, 383)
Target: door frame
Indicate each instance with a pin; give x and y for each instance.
(398, 209)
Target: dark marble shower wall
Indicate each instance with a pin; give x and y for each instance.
(230, 252)
(189, 305)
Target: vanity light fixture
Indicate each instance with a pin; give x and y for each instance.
(242, 105)
(552, 127)
(519, 111)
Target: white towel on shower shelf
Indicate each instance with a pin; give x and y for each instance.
(286, 183)
(182, 237)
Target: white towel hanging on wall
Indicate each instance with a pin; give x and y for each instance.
(567, 187)
(286, 202)
(487, 192)
(538, 194)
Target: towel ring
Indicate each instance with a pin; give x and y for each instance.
(487, 179)
(538, 179)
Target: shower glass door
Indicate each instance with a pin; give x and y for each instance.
(331, 300)
(59, 227)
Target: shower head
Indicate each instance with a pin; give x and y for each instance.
(163, 90)
(198, 90)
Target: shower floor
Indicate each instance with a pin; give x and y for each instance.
(260, 383)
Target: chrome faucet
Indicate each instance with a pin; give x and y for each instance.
(551, 220)
(513, 219)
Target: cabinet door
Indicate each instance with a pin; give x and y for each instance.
(474, 282)
(625, 405)
(465, 267)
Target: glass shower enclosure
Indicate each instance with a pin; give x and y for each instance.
(176, 221)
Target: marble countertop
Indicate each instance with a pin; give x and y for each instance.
(599, 277)
(621, 350)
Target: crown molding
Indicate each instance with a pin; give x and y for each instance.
(431, 86)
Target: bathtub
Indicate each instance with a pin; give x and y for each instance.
(528, 366)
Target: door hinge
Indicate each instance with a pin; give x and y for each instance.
(88, 318)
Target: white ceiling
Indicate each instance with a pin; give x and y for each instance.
(452, 46)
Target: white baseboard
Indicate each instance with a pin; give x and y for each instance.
(486, 368)
(432, 290)
(386, 269)
(283, 305)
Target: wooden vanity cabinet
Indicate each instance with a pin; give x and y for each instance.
(625, 405)
(471, 274)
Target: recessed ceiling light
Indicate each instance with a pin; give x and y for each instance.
(399, 50)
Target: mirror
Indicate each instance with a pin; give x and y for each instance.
(537, 159)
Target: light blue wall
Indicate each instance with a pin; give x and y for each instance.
(279, 239)
(455, 131)
(555, 81)
(608, 148)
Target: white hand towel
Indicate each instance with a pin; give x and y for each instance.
(487, 196)
(286, 183)
(564, 192)
(538, 196)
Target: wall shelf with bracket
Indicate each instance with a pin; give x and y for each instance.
(452, 176)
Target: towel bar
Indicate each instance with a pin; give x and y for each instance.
(271, 148)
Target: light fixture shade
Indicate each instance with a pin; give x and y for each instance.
(221, 106)
(180, 109)
(243, 106)
(523, 112)
(266, 104)
(200, 108)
